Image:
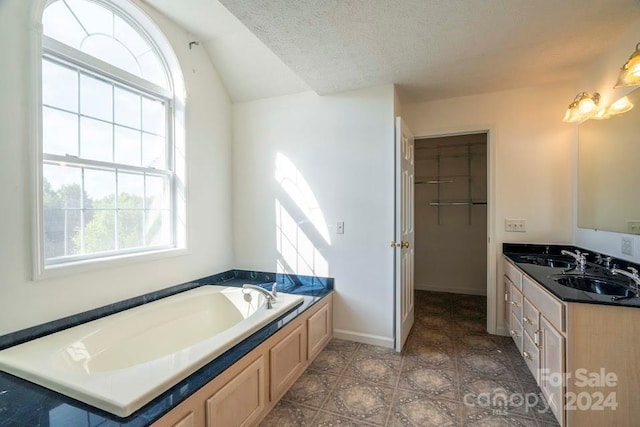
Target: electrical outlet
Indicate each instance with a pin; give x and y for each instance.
(633, 227)
(515, 225)
(340, 227)
(626, 246)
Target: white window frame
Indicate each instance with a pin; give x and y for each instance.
(174, 100)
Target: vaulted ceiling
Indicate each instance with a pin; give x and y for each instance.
(431, 49)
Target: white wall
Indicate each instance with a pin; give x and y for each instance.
(601, 78)
(448, 237)
(25, 303)
(531, 159)
(342, 147)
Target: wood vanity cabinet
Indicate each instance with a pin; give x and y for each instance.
(571, 347)
(244, 394)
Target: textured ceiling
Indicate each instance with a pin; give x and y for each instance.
(248, 69)
(435, 48)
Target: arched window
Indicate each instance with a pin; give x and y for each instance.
(108, 181)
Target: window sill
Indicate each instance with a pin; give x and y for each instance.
(66, 269)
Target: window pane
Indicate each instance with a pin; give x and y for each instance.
(128, 149)
(129, 37)
(96, 98)
(130, 191)
(61, 202)
(59, 132)
(95, 18)
(99, 230)
(153, 116)
(151, 68)
(127, 108)
(58, 23)
(96, 140)
(61, 232)
(111, 51)
(153, 151)
(59, 86)
(157, 230)
(99, 189)
(62, 186)
(156, 192)
(130, 226)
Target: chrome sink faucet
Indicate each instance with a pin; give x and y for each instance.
(271, 298)
(633, 276)
(580, 257)
(604, 261)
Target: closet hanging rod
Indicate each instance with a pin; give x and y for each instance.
(436, 181)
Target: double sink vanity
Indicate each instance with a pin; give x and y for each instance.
(575, 318)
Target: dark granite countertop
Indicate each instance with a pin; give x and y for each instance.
(24, 404)
(518, 253)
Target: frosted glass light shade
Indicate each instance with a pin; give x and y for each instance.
(630, 71)
(584, 106)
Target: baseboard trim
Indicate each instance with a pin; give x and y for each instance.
(363, 338)
(466, 291)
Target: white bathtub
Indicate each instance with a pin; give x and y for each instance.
(121, 362)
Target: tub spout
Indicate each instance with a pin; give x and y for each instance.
(270, 297)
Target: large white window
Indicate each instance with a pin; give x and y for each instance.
(108, 182)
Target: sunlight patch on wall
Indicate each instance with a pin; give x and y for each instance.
(301, 230)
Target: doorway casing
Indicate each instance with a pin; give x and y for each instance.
(493, 325)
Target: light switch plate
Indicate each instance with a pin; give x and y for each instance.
(515, 225)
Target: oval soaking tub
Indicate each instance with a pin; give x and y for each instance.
(120, 362)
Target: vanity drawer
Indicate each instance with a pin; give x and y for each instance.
(513, 274)
(516, 331)
(531, 355)
(530, 319)
(547, 304)
(515, 302)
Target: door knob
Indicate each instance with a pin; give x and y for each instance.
(404, 244)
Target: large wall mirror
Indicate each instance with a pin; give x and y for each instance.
(609, 170)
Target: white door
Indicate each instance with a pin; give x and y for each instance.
(404, 233)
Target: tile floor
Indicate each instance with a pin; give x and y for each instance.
(448, 360)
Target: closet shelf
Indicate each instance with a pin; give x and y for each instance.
(457, 202)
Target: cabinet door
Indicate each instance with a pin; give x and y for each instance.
(552, 356)
(286, 362)
(241, 401)
(516, 302)
(318, 331)
(516, 331)
(531, 355)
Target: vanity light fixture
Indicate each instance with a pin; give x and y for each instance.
(584, 106)
(622, 105)
(630, 71)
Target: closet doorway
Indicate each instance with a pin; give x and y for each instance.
(451, 214)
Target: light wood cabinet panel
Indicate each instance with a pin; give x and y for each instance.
(319, 330)
(512, 272)
(547, 304)
(552, 367)
(241, 401)
(189, 413)
(530, 320)
(286, 362)
(244, 393)
(188, 421)
(516, 302)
